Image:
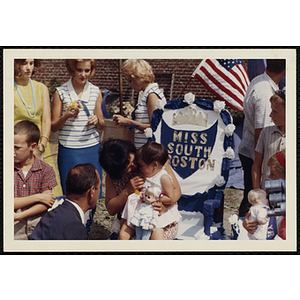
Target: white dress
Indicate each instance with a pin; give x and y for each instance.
(259, 214)
(167, 217)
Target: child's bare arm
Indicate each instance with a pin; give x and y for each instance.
(168, 190)
(45, 197)
(30, 212)
(177, 188)
(169, 195)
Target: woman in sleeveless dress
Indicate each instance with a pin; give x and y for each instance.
(78, 137)
(140, 78)
(32, 102)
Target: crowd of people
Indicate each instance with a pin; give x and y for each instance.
(263, 136)
(131, 169)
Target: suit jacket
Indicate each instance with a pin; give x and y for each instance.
(61, 223)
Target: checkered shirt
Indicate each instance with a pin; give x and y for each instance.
(41, 177)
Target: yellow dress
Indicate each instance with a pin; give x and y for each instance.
(20, 113)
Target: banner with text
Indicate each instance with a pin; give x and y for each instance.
(197, 141)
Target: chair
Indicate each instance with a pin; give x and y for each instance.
(198, 136)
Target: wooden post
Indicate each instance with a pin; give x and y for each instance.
(120, 88)
(185, 87)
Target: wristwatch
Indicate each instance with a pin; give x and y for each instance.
(41, 148)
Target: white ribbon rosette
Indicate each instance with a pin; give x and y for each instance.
(229, 153)
(189, 98)
(159, 104)
(229, 129)
(148, 132)
(233, 219)
(219, 181)
(218, 106)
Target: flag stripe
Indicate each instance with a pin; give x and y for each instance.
(221, 87)
(224, 76)
(235, 106)
(241, 75)
(238, 74)
(245, 74)
(223, 83)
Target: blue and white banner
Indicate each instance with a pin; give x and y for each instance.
(189, 150)
(198, 137)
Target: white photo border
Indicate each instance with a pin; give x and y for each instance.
(288, 245)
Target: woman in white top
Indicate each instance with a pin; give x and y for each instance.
(140, 77)
(78, 138)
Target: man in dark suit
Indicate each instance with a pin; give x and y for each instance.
(66, 221)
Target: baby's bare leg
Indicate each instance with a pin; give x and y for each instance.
(157, 234)
(126, 232)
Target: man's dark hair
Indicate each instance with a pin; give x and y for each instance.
(275, 65)
(114, 156)
(29, 129)
(151, 152)
(80, 179)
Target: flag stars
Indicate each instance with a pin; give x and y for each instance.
(228, 64)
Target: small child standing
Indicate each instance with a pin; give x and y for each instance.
(34, 180)
(151, 159)
(258, 199)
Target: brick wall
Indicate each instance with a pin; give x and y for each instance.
(107, 76)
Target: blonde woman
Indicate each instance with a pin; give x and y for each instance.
(140, 78)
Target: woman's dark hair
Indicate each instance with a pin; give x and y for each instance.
(18, 62)
(114, 156)
(151, 152)
(80, 179)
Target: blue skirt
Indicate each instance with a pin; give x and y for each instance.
(69, 157)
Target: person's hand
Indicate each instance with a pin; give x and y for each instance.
(16, 217)
(158, 206)
(92, 120)
(250, 226)
(142, 196)
(151, 226)
(38, 154)
(47, 198)
(120, 120)
(71, 113)
(136, 183)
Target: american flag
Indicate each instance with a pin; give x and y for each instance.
(226, 78)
